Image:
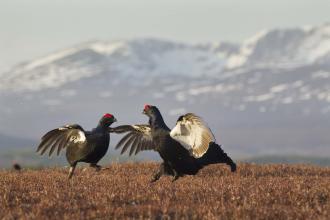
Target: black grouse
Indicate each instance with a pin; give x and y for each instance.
(16, 166)
(81, 145)
(185, 149)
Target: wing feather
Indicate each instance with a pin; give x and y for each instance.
(49, 134)
(142, 146)
(61, 145)
(134, 146)
(123, 141)
(139, 138)
(61, 138)
(45, 139)
(55, 144)
(139, 146)
(129, 142)
(48, 144)
(193, 133)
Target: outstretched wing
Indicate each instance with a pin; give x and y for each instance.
(192, 133)
(137, 139)
(60, 138)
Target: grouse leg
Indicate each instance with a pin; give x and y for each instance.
(159, 173)
(176, 175)
(71, 171)
(97, 167)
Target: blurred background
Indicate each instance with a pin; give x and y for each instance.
(257, 71)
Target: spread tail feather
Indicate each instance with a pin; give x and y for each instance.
(215, 154)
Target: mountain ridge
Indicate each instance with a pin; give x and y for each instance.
(274, 85)
(274, 48)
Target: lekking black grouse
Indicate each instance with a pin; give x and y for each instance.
(81, 145)
(185, 149)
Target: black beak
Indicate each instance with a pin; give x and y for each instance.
(114, 120)
(144, 112)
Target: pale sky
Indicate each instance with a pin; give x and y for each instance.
(33, 28)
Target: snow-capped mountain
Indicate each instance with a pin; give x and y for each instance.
(270, 94)
(286, 48)
(121, 59)
(141, 58)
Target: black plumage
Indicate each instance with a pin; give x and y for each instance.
(17, 167)
(177, 160)
(81, 145)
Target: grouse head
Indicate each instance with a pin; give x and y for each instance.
(150, 110)
(153, 113)
(107, 119)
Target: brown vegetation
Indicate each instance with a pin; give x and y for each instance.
(124, 191)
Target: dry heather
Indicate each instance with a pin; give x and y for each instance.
(124, 191)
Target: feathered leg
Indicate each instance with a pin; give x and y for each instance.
(71, 171)
(97, 167)
(176, 176)
(159, 173)
(164, 169)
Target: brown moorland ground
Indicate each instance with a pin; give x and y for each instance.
(124, 192)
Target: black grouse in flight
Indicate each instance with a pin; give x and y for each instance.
(81, 145)
(185, 149)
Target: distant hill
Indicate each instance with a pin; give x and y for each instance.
(267, 95)
(289, 159)
(10, 143)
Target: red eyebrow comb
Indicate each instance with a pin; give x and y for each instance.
(146, 107)
(107, 115)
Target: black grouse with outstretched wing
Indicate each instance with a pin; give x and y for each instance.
(81, 146)
(185, 149)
